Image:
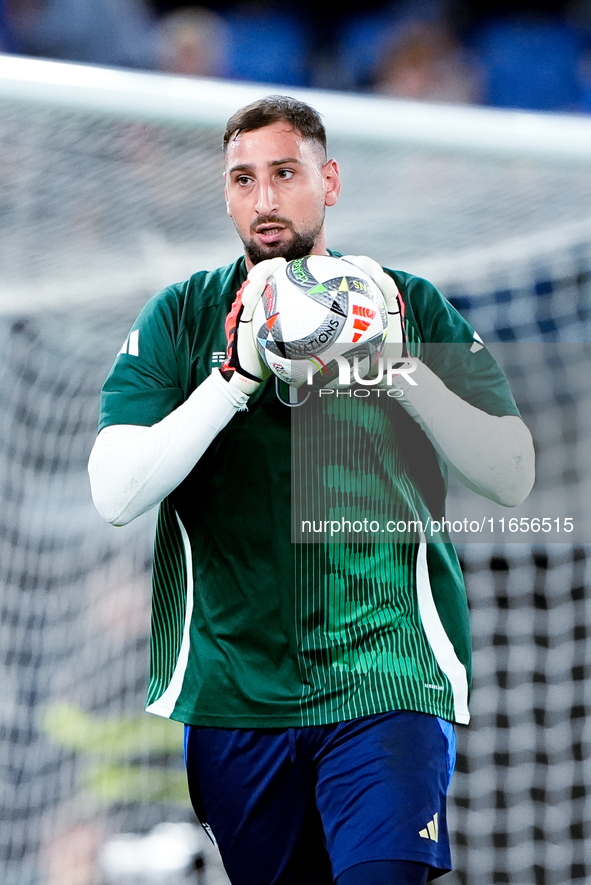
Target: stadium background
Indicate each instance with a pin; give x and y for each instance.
(102, 203)
(527, 53)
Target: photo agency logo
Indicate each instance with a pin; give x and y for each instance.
(349, 375)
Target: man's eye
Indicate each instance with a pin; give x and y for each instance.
(242, 180)
(285, 173)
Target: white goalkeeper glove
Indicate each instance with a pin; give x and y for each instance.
(243, 367)
(396, 335)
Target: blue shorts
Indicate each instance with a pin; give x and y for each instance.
(299, 806)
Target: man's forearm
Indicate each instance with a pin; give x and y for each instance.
(492, 455)
(132, 468)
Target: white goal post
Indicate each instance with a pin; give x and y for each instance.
(194, 101)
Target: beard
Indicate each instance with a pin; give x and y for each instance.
(300, 244)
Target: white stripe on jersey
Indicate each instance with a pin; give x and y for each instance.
(134, 343)
(440, 643)
(165, 704)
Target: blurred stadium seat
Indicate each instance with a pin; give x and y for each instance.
(267, 45)
(530, 63)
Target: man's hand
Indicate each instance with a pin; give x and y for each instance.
(243, 367)
(396, 336)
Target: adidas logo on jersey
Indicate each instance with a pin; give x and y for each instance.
(431, 831)
(478, 343)
(131, 345)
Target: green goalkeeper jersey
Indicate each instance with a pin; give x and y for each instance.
(254, 626)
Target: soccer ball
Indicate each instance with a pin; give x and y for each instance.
(321, 321)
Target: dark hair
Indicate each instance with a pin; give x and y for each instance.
(274, 109)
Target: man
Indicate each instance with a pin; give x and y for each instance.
(318, 682)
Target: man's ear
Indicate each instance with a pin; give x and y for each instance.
(332, 182)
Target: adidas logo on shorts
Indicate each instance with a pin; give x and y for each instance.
(431, 831)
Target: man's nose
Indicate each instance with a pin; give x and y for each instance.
(266, 203)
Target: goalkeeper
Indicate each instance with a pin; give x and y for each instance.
(319, 683)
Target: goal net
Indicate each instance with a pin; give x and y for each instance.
(111, 189)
